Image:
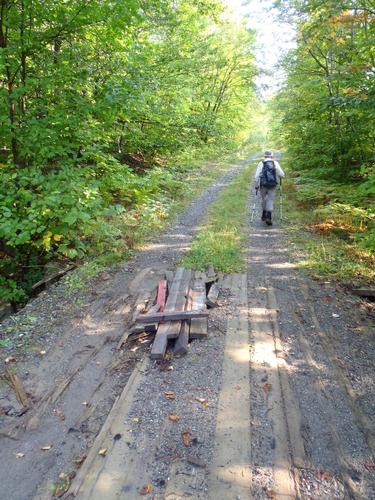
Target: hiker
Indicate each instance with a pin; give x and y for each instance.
(266, 176)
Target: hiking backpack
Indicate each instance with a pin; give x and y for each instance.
(268, 177)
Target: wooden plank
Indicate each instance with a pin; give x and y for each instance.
(230, 471)
(171, 316)
(364, 292)
(153, 310)
(211, 275)
(198, 326)
(161, 297)
(14, 381)
(176, 301)
(54, 277)
(139, 306)
(135, 284)
(169, 276)
(264, 359)
(182, 342)
(86, 484)
(212, 296)
(293, 414)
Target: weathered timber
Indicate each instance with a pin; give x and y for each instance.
(88, 483)
(182, 341)
(176, 301)
(154, 309)
(13, 380)
(161, 297)
(229, 474)
(140, 304)
(212, 296)
(198, 326)
(135, 284)
(211, 275)
(364, 292)
(169, 276)
(172, 316)
(53, 277)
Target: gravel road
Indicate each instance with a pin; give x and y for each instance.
(305, 400)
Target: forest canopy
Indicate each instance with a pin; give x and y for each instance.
(324, 114)
(95, 94)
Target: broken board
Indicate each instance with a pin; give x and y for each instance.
(198, 326)
(175, 302)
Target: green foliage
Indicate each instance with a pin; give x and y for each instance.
(324, 118)
(96, 98)
(327, 106)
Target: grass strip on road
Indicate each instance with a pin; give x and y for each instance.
(222, 238)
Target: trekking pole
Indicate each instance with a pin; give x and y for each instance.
(281, 199)
(254, 205)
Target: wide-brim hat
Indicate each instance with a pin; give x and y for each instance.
(267, 154)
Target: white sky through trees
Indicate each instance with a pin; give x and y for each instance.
(273, 39)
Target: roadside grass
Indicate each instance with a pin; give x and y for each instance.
(328, 248)
(222, 238)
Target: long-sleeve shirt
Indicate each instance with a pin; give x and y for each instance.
(279, 170)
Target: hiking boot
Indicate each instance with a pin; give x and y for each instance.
(264, 215)
(269, 218)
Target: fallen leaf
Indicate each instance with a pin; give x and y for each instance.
(146, 490)
(358, 329)
(169, 395)
(64, 484)
(46, 448)
(326, 299)
(42, 353)
(369, 465)
(174, 418)
(59, 413)
(271, 494)
(103, 452)
(166, 367)
(325, 475)
(168, 355)
(136, 419)
(238, 387)
(78, 461)
(262, 289)
(203, 401)
(10, 359)
(20, 455)
(186, 437)
(334, 315)
(266, 387)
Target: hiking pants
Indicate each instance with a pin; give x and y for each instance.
(268, 195)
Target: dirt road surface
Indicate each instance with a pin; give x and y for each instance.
(277, 402)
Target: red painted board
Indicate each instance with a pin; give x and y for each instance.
(162, 294)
